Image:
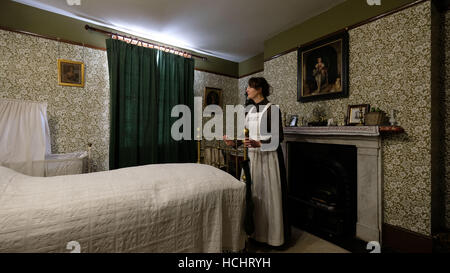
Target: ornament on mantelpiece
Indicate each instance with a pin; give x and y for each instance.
(393, 119)
(360, 116)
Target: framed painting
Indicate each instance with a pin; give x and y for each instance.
(70, 73)
(212, 96)
(323, 69)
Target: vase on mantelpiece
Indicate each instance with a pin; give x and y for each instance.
(393, 119)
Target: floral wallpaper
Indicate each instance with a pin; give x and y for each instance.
(446, 116)
(227, 84)
(28, 71)
(77, 116)
(390, 68)
(230, 94)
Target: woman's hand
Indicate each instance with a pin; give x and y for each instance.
(228, 142)
(250, 143)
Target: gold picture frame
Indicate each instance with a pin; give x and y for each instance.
(323, 69)
(212, 96)
(70, 73)
(356, 113)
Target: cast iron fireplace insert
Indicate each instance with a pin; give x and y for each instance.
(322, 181)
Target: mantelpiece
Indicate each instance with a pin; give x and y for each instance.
(334, 130)
(367, 140)
(344, 130)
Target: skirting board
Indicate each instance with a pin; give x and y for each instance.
(406, 241)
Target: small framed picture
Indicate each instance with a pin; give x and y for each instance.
(356, 113)
(213, 96)
(293, 121)
(70, 73)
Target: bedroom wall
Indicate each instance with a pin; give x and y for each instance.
(229, 87)
(227, 84)
(336, 18)
(390, 68)
(251, 65)
(28, 71)
(446, 117)
(26, 18)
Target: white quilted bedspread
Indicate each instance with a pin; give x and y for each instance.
(153, 208)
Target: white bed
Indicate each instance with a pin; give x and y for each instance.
(152, 208)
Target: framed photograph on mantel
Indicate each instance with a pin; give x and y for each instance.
(357, 113)
(323, 69)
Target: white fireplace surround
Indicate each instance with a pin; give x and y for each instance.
(369, 169)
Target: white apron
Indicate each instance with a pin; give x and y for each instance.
(266, 186)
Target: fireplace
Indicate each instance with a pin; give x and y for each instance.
(322, 188)
(344, 194)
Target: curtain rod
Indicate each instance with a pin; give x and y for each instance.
(131, 39)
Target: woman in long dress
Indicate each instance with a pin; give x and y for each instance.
(267, 169)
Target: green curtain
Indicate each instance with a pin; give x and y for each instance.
(176, 86)
(144, 85)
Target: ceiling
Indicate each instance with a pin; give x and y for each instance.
(234, 30)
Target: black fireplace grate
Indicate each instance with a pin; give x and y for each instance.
(322, 188)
